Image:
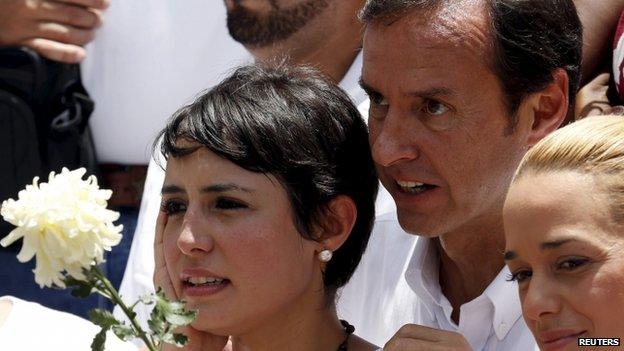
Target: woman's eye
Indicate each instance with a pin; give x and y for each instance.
(571, 264)
(229, 204)
(520, 276)
(435, 108)
(172, 207)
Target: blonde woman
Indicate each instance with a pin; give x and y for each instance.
(564, 226)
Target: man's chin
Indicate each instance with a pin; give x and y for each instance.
(421, 225)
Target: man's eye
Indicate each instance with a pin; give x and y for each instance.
(520, 276)
(378, 99)
(172, 207)
(229, 204)
(571, 264)
(435, 108)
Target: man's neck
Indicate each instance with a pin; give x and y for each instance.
(470, 259)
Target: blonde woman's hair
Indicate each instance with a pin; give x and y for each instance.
(594, 146)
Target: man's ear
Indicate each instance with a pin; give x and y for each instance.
(549, 107)
(337, 222)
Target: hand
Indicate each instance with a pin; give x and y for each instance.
(56, 29)
(198, 340)
(413, 337)
(162, 279)
(592, 98)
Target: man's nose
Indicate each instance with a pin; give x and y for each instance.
(392, 142)
(194, 238)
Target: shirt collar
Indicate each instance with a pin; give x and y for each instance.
(506, 300)
(422, 276)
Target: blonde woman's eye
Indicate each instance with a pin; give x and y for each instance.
(230, 204)
(520, 276)
(435, 108)
(572, 264)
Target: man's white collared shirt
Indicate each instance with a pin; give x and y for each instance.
(397, 284)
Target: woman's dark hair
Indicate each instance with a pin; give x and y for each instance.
(299, 127)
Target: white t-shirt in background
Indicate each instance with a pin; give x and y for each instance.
(147, 60)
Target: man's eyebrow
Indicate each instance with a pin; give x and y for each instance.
(433, 92)
(427, 93)
(213, 188)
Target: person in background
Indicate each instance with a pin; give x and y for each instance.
(56, 30)
(597, 97)
(564, 231)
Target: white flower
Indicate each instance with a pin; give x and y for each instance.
(64, 223)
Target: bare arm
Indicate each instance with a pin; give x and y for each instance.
(599, 18)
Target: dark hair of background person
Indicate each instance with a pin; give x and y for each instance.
(294, 124)
(530, 40)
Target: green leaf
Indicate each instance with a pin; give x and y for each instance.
(156, 324)
(99, 340)
(124, 332)
(180, 339)
(81, 289)
(166, 316)
(103, 318)
(173, 311)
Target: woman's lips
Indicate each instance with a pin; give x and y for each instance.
(204, 290)
(200, 282)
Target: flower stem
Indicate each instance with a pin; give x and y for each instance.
(116, 299)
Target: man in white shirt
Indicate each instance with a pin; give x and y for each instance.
(459, 91)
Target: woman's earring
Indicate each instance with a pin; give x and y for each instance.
(325, 255)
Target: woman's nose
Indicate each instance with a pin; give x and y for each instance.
(541, 299)
(194, 238)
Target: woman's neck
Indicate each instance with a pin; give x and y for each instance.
(307, 328)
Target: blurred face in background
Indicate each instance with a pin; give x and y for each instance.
(258, 23)
(566, 252)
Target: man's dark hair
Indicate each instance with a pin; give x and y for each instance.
(530, 40)
(297, 126)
